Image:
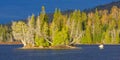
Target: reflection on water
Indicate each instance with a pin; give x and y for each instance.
(87, 52)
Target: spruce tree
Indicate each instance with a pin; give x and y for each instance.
(59, 29)
(42, 30)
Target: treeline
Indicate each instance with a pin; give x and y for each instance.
(5, 34)
(76, 28)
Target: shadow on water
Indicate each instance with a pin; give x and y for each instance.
(87, 52)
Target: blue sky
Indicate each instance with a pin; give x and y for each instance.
(21, 9)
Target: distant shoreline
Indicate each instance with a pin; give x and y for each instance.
(9, 43)
(51, 47)
(94, 44)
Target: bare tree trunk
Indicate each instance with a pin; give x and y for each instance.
(24, 43)
(72, 30)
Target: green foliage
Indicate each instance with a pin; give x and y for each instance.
(60, 38)
(39, 41)
(5, 34)
(87, 38)
(19, 31)
(117, 39)
(59, 29)
(107, 39)
(42, 30)
(31, 21)
(78, 27)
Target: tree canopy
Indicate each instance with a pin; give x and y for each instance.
(78, 27)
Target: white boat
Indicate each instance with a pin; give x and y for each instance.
(101, 46)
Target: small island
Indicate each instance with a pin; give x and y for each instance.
(63, 31)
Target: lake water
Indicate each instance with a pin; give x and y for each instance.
(86, 52)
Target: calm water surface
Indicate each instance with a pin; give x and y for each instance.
(87, 52)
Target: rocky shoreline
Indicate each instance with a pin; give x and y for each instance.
(51, 47)
(9, 43)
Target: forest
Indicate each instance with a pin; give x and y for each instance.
(78, 27)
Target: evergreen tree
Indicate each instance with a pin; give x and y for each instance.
(59, 29)
(107, 39)
(5, 34)
(42, 30)
(97, 33)
(87, 38)
(76, 26)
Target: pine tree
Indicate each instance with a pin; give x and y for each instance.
(97, 33)
(42, 30)
(107, 39)
(113, 16)
(87, 37)
(76, 26)
(59, 29)
(5, 34)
